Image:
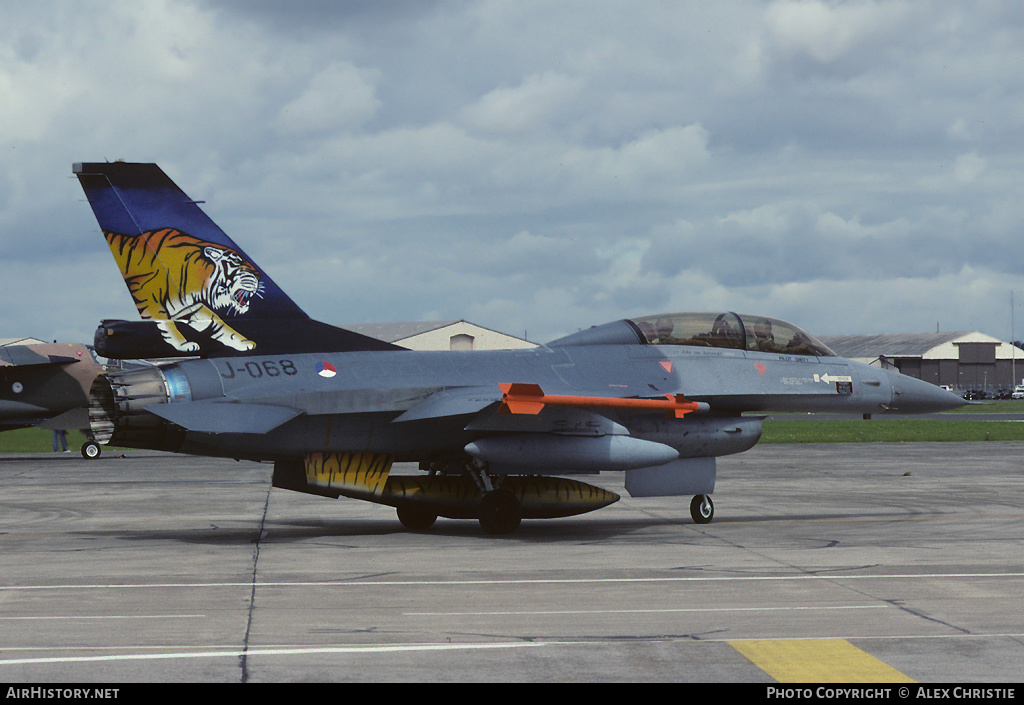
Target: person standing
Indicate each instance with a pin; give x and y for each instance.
(61, 435)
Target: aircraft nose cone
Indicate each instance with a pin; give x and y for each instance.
(915, 396)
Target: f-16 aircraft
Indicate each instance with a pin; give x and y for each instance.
(494, 433)
(47, 384)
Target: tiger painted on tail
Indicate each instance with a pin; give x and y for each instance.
(177, 279)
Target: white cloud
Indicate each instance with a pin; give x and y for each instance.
(337, 99)
(539, 99)
(968, 168)
(826, 31)
(541, 166)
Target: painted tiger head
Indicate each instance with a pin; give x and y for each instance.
(168, 272)
(176, 278)
(232, 283)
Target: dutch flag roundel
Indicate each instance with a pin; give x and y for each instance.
(325, 369)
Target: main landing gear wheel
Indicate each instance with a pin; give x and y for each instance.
(702, 509)
(91, 450)
(500, 512)
(415, 518)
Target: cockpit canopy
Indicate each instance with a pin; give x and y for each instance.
(728, 330)
(712, 330)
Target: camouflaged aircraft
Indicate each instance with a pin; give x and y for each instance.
(499, 436)
(47, 384)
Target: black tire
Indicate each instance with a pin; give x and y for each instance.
(91, 450)
(415, 518)
(702, 509)
(500, 512)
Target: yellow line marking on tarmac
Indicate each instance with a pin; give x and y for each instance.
(817, 661)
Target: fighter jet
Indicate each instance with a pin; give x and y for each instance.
(494, 433)
(47, 384)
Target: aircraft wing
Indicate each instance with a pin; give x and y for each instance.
(487, 407)
(489, 412)
(453, 402)
(24, 356)
(530, 399)
(225, 416)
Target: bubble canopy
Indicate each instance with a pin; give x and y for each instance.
(712, 330)
(728, 330)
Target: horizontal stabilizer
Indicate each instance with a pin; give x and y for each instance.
(519, 398)
(224, 417)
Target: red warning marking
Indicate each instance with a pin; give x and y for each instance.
(760, 367)
(667, 364)
(521, 398)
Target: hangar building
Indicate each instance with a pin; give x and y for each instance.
(962, 360)
(441, 335)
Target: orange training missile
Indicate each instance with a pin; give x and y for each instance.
(522, 398)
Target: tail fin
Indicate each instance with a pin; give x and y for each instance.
(201, 293)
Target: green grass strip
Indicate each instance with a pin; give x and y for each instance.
(776, 430)
(36, 440)
(889, 431)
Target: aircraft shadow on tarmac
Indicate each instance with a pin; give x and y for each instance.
(299, 531)
(549, 531)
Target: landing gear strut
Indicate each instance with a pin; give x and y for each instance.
(500, 511)
(702, 509)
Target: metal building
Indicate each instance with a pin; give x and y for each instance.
(441, 335)
(960, 360)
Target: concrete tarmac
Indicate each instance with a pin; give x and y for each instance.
(161, 568)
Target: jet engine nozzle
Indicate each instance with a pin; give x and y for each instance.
(117, 410)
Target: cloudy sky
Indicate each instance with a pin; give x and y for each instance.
(534, 166)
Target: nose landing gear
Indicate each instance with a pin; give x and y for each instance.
(500, 512)
(702, 509)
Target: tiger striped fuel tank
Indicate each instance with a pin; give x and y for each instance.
(457, 497)
(367, 476)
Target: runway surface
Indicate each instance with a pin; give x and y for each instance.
(878, 562)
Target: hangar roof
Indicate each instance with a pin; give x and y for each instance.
(393, 332)
(441, 335)
(20, 341)
(931, 346)
(890, 345)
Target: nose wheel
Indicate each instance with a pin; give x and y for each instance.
(500, 511)
(702, 509)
